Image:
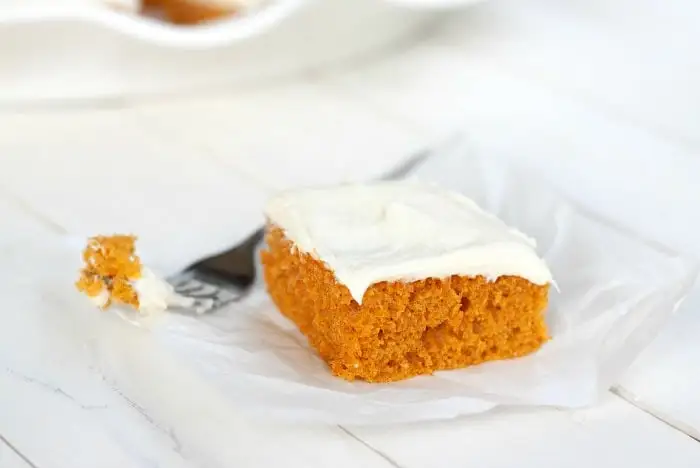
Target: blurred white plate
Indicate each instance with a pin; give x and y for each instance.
(217, 33)
(93, 54)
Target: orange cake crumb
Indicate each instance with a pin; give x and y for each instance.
(403, 329)
(110, 264)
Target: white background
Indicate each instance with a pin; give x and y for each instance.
(602, 96)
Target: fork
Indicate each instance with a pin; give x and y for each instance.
(226, 277)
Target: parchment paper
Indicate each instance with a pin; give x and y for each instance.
(615, 292)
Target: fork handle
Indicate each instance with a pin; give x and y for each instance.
(236, 265)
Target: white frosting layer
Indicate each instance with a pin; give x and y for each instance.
(402, 231)
(156, 295)
(101, 299)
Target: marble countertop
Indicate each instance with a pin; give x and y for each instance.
(599, 96)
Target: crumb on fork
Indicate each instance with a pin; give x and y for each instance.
(110, 266)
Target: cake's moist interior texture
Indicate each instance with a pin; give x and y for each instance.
(403, 329)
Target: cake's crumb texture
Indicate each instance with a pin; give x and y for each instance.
(110, 265)
(404, 329)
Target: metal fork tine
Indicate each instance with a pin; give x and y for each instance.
(236, 265)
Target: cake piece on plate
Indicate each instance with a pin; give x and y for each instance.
(393, 280)
(200, 11)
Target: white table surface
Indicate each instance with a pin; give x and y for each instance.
(600, 96)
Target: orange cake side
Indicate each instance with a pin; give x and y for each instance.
(403, 329)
